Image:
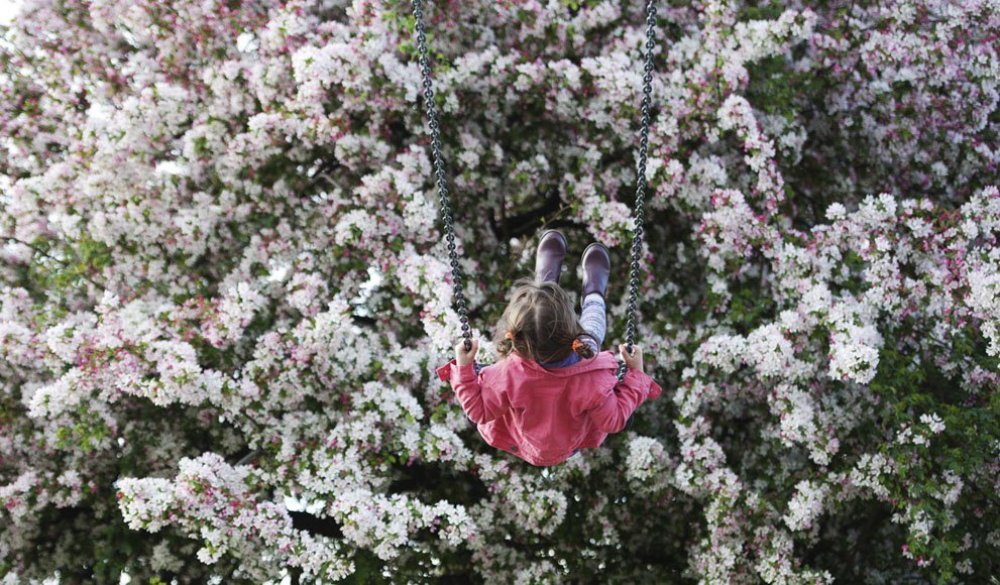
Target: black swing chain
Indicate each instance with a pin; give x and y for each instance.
(631, 310)
(442, 180)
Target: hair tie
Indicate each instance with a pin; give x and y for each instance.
(509, 336)
(577, 344)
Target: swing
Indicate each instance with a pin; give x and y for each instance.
(442, 182)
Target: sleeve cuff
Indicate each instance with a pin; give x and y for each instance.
(457, 373)
(444, 372)
(654, 390)
(642, 380)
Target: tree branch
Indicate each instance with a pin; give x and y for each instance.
(50, 256)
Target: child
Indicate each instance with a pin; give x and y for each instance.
(553, 392)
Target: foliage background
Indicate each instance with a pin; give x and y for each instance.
(222, 292)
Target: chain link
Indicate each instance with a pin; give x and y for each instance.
(632, 308)
(439, 173)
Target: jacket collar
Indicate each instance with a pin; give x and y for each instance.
(602, 361)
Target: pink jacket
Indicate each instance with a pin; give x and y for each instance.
(544, 415)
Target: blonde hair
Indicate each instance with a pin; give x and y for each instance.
(540, 324)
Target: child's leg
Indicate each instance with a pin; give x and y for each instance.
(593, 318)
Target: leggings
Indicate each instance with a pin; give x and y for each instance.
(593, 318)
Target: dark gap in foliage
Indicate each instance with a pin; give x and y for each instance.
(316, 525)
(857, 539)
(432, 481)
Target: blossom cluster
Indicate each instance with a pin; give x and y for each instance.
(224, 289)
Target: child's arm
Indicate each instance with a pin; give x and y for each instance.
(481, 404)
(614, 406)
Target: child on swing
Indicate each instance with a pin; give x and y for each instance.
(553, 392)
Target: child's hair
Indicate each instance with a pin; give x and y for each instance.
(540, 324)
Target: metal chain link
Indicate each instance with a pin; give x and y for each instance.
(631, 310)
(439, 173)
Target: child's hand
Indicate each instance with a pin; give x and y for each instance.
(633, 361)
(463, 357)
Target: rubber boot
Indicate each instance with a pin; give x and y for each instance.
(549, 256)
(596, 267)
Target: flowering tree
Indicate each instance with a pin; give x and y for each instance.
(222, 293)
